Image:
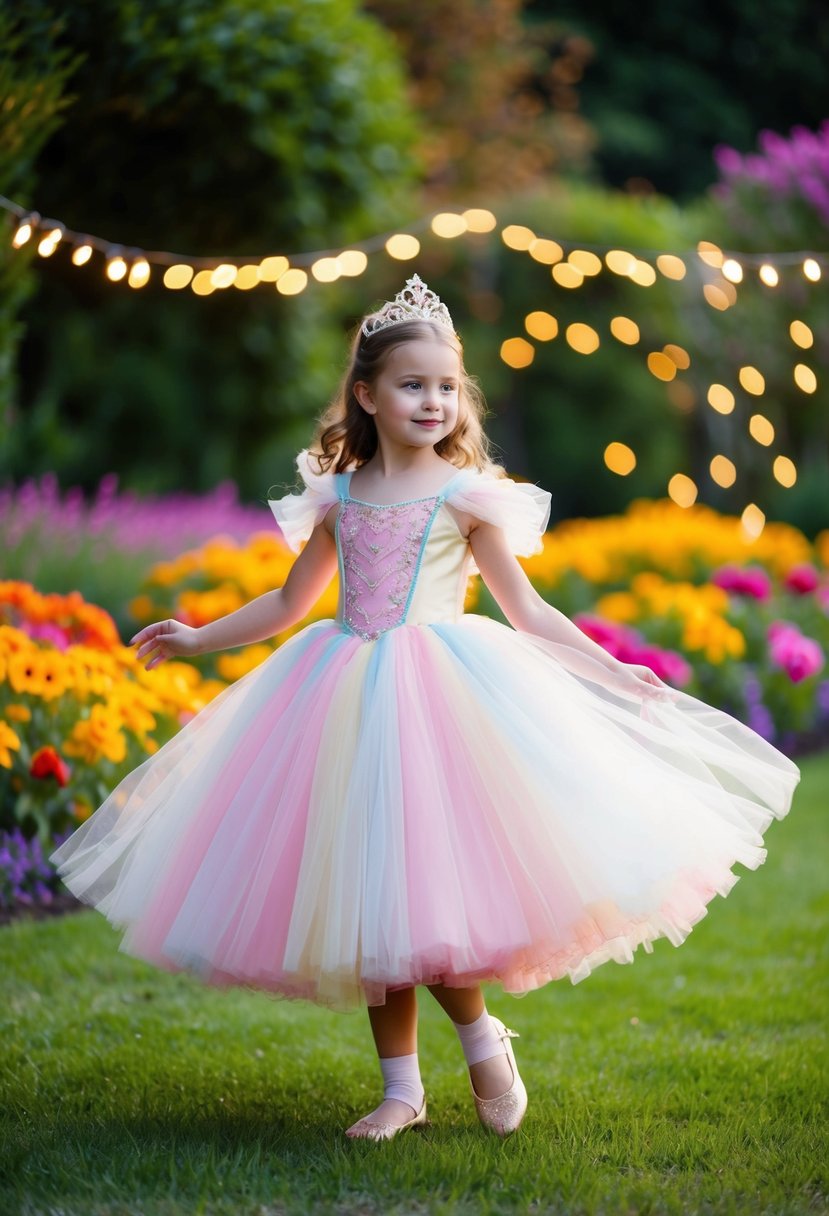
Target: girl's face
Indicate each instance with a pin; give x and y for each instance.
(415, 399)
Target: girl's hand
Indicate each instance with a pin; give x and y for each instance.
(165, 639)
(647, 684)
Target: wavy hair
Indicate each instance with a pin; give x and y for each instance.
(346, 436)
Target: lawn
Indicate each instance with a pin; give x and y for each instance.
(694, 1081)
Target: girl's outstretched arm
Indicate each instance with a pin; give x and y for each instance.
(254, 622)
(526, 611)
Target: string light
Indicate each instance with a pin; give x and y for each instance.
(402, 247)
(223, 276)
(546, 252)
(516, 236)
(116, 268)
(24, 230)
(51, 238)
(139, 275)
(448, 224)
(768, 275)
(811, 269)
(177, 277)
(567, 276)
(671, 266)
(582, 338)
(81, 254)
(292, 282)
(732, 270)
(478, 219)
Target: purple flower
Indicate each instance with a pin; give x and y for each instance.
(761, 721)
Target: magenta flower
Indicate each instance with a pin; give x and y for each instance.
(789, 649)
(752, 581)
(628, 646)
(802, 578)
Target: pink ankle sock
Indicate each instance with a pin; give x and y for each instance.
(401, 1079)
(479, 1040)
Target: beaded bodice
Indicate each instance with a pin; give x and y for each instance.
(381, 548)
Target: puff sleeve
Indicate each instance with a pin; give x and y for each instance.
(298, 514)
(520, 508)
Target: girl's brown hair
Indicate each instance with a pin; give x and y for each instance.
(346, 435)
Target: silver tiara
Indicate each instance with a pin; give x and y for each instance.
(416, 302)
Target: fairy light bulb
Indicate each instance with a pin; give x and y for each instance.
(116, 268)
(139, 275)
(753, 521)
(478, 219)
(811, 269)
(49, 241)
(619, 458)
(81, 254)
(223, 275)
(682, 490)
(402, 246)
(732, 270)
(768, 275)
(23, 232)
(448, 224)
(517, 352)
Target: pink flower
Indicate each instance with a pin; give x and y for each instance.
(803, 578)
(799, 656)
(743, 580)
(667, 664)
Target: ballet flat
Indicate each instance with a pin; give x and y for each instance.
(503, 1114)
(387, 1131)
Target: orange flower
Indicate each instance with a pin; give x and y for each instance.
(18, 713)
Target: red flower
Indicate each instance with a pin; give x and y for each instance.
(47, 763)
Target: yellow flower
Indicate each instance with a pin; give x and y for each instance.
(42, 673)
(97, 735)
(18, 713)
(618, 606)
(233, 666)
(142, 608)
(9, 742)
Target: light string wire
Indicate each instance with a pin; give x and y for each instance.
(373, 244)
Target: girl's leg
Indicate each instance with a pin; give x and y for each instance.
(492, 1075)
(394, 1027)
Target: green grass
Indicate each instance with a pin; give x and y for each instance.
(693, 1081)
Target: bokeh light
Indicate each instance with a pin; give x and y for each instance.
(541, 325)
(517, 352)
(619, 458)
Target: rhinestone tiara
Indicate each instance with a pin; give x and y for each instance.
(416, 302)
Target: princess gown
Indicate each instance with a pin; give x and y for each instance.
(407, 794)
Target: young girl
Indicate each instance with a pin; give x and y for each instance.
(406, 794)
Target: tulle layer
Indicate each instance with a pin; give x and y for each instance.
(449, 803)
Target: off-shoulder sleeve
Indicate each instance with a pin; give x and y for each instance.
(298, 514)
(520, 508)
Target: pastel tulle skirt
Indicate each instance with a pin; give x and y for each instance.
(447, 803)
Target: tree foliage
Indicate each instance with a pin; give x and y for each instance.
(243, 126)
(495, 95)
(669, 81)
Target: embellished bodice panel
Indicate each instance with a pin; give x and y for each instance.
(399, 564)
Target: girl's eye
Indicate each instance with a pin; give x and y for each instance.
(413, 384)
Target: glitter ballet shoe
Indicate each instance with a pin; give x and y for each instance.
(503, 1114)
(384, 1131)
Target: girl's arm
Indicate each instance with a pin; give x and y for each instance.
(254, 622)
(528, 612)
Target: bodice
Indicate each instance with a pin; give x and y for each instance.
(402, 563)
